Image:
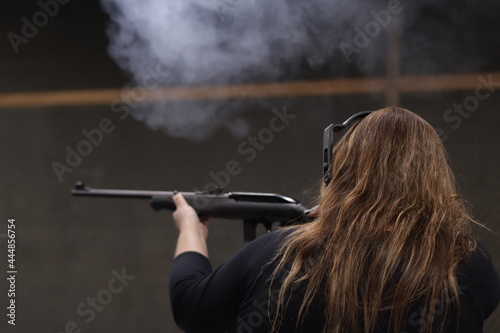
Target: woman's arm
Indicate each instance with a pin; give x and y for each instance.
(192, 231)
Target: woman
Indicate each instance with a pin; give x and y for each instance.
(389, 250)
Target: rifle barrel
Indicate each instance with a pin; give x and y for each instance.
(82, 190)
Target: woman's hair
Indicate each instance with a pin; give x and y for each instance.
(391, 229)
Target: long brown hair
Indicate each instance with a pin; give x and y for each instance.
(392, 229)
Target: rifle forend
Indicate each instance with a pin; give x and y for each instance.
(252, 208)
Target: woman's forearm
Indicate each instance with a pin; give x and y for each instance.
(191, 240)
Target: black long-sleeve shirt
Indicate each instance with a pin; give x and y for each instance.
(234, 298)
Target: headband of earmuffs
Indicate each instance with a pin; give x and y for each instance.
(331, 136)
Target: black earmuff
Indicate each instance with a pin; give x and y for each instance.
(331, 136)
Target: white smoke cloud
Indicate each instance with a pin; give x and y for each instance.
(207, 42)
(217, 42)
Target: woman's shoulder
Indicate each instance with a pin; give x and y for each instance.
(479, 281)
(478, 263)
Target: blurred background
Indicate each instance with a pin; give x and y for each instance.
(162, 95)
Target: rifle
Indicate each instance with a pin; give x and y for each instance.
(252, 208)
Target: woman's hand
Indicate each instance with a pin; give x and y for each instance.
(185, 217)
(192, 231)
(313, 212)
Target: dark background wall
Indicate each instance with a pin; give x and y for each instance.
(68, 249)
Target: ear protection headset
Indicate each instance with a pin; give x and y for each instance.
(331, 136)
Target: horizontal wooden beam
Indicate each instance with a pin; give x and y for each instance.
(429, 83)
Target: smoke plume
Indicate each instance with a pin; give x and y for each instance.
(218, 42)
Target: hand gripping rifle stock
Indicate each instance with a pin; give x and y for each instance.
(252, 208)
